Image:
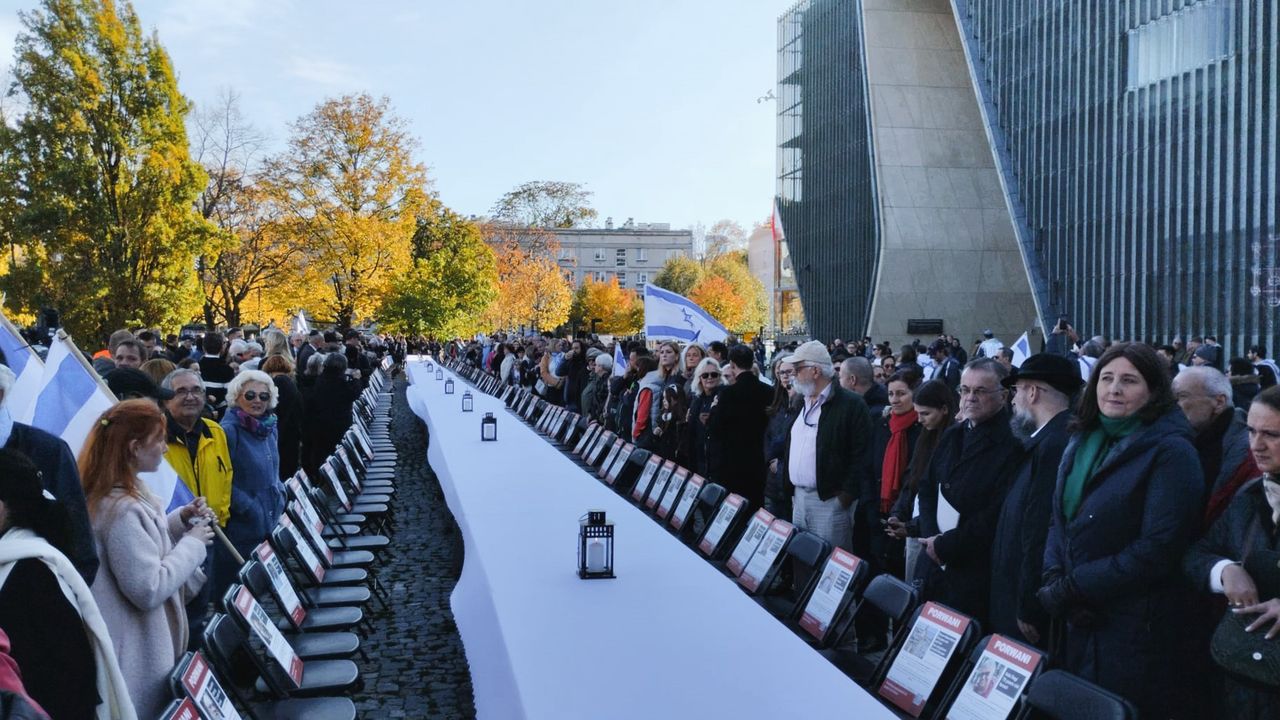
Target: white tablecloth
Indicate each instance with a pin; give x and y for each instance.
(669, 637)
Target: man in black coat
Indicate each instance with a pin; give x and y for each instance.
(58, 472)
(315, 340)
(735, 431)
(1044, 386)
(215, 372)
(971, 470)
(828, 449)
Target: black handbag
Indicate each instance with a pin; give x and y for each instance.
(1249, 656)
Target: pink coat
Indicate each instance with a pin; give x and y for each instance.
(149, 570)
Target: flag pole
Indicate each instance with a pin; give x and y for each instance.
(75, 352)
(4, 320)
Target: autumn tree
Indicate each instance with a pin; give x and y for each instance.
(719, 298)
(546, 204)
(733, 268)
(679, 274)
(102, 184)
(452, 280)
(349, 193)
(611, 304)
(247, 256)
(532, 289)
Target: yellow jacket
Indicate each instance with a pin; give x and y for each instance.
(210, 475)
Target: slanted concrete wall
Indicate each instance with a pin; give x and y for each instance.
(948, 248)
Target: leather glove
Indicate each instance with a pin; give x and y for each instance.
(1058, 596)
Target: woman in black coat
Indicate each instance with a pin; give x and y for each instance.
(328, 410)
(1125, 510)
(898, 429)
(782, 413)
(1217, 563)
(705, 388)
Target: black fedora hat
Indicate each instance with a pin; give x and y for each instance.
(1055, 370)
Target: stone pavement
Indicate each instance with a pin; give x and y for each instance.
(417, 667)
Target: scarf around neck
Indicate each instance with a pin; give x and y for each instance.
(1090, 454)
(896, 457)
(259, 427)
(1271, 490)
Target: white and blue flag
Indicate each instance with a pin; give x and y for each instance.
(619, 360)
(299, 324)
(1021, 350)
(25, 364)
(668, 316)
(70, 400)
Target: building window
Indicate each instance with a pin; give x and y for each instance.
(600, 255)
(620, 257)
(642, 279)
(566, 253)
(1180, 42)
(600, 276)
(642, 255)
(622, 279)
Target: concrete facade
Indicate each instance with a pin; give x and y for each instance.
(947, 244)
(633, 253)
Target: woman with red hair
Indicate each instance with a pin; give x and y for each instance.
(150, 562)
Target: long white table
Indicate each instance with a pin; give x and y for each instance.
(669, 637)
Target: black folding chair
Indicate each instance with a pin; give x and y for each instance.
(250, 674)
(806, 552)
(704, 508)
(975, 672)
(725, 527)
(889, 597)
(314, 618)
(960, 652)
(847, 576)
(1059, 695)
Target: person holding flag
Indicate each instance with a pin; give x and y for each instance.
(58, 474)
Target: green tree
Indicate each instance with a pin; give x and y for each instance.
(104, 183)
(349, 193)
(452, 281)
(679, 274)
(546, 204)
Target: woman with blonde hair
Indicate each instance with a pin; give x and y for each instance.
(150, 561)
(276, 343)
(257, 496)
(706, 384)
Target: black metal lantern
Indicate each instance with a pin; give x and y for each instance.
(439, 373)
(489, 428)
(448, 386)
(468, 404)
(595, 546)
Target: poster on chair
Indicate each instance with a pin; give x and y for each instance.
(923, 658)
(992, 690)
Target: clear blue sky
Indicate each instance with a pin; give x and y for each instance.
(651, 104)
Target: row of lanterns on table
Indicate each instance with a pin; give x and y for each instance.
(488, 424)
(595, 532)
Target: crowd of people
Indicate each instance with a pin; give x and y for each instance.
(1114, 504)
(101, 589)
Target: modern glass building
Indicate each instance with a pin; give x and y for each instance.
(1134, 146)
(826, 188)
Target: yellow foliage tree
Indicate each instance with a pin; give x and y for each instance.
(350, 193)
(719, 298)
(532, 291)
(614, 306)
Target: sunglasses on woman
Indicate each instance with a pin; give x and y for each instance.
(709, 375)
(251, 395)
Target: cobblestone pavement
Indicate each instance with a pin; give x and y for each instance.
(416, 666)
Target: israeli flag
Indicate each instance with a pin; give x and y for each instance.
(668, 316)
(25, 364)
(619, 361)
(299, 324)
(71, 398)
(1021, 350)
